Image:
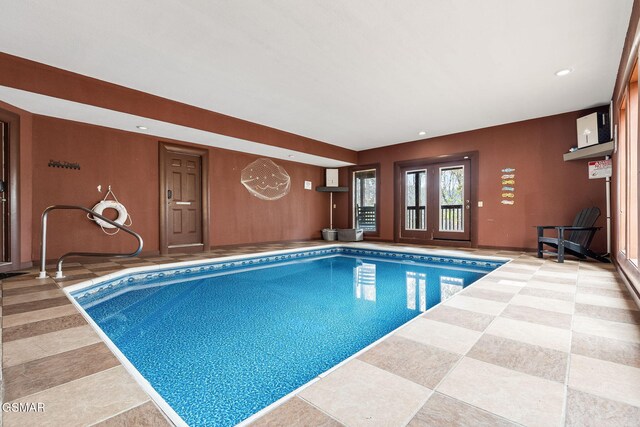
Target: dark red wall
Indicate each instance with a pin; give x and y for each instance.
(548, 190)
(129, 163)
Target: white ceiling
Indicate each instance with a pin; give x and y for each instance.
(356, 73)
(63, 109)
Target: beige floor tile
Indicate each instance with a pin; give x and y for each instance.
(295, 412)
(359, 394)
(551, 278)
(443, 411)
(598, 276)
(613, 285)
(555, 274)
(599, 273)
(557, 287)
(519, 265)
(475, 292)
(523, 276)
(38, 315)
(558, 306)
(147, 414)
(26, 283)
(607, 328)
(585, 409)
(28, 349)
(531, 333)
(616, 351)
(82, 402)
(33, 296)
(608, 313)
(526, 358)
(519, 397)
(613, 293)
(423, 364)
(604, 301)
(479, 305)
(605, 379)
(509, 282)
(458, 317)
(497, 287)
(552, 265)
(443, 335)
(535, 315)
(545, 293)
(35, 376)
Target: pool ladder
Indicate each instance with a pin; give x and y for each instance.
(43, 240)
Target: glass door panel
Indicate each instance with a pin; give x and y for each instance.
(364, 200)
(453, 201)
(451, 191)
(416, 200)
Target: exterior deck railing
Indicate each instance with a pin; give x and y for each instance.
(451, 218)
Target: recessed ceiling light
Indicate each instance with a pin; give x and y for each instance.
(422, 133)
(142, 127)
(563, 72)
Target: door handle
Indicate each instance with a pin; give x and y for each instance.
(183, 203)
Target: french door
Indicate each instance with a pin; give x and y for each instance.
(434, 202)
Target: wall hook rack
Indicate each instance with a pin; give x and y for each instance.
(63, 164)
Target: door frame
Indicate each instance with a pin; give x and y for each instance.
(473, 158)
(351, 170)
(13, 120)
(164, 149)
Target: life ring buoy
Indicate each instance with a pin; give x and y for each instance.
(110, 204)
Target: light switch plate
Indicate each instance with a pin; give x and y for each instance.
(307, 185)
(480, 203)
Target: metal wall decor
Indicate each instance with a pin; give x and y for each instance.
(508, 180)
(63, 165)
(266, 180)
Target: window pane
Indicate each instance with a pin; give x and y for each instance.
(622, 181)
(632, 153)
(415, 209)
(451, 199)
(364, 200)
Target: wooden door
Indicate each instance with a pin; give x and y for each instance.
(182, 207)
(434, 202)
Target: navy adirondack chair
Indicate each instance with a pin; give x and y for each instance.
(572, 239)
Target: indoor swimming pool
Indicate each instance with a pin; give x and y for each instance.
(219, 341)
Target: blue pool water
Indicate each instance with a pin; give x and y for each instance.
(219, 349)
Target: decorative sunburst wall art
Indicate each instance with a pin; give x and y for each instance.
(266, 180)
(508, 186)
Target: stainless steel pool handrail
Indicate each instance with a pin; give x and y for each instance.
(43, 240)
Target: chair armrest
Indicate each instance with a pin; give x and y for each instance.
(541, 228)
(578, 228)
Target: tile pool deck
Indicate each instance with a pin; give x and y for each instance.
(534, 343)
